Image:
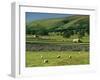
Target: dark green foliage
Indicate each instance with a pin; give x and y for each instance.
(41, 31)
(67, 33)
(81, 33)
(65, 21)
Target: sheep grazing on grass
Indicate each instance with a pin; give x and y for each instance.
(58, 56)
(45, 61)
(76, 40)
(79, 52)
(70, 57)
(41, 57)
(35, 36)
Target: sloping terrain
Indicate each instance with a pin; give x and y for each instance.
(55, 24)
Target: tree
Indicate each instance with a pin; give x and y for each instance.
(81, 33)
(67, 33)
(42, 31)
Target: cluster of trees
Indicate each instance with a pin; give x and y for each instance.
(79, 29)
(37, 30)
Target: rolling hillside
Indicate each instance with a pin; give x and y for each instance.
(55, 24)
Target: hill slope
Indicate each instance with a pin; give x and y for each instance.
(75, 22)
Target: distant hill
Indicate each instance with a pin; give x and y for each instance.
(76, 23)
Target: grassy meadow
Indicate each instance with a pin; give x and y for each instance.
(54, 39)
(57, 41)
(77, 58)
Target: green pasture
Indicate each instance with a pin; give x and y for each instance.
(54, 39)
(33, 58)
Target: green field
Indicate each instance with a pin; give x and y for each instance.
(54, 39)
(33, 59)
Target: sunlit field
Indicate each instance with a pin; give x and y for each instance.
(36, 58)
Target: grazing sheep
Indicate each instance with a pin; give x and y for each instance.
(41, 57)
(70, 57)
(76, 40)
(79, 52)
(58, 56)
(35, 36)
(45, 61)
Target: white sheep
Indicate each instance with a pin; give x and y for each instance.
(70, 57)
(45, 61)
(76, 40)
(58, 56)
(35, 36)
(41, 57)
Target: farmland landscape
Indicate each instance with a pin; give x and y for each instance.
(59, 40)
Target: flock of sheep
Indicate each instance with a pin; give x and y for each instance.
(46, 60)
(58, 56)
